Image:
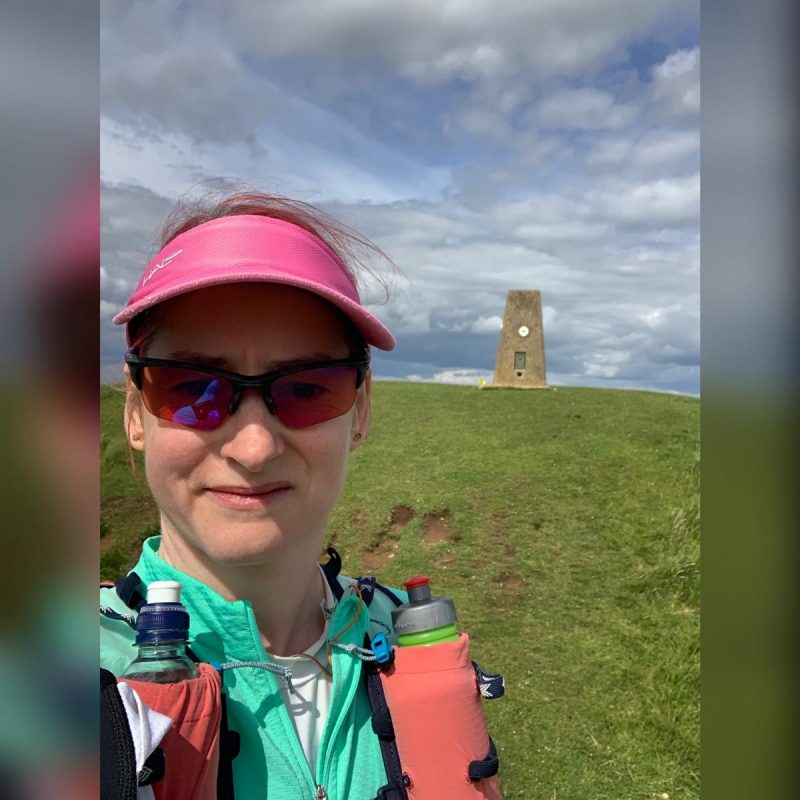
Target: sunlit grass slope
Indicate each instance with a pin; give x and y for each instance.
(565, 525)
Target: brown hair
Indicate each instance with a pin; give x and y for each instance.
(353, 250)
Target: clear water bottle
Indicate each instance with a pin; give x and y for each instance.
(425, 619)
(162, 633)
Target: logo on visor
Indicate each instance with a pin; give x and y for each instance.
(161, 264)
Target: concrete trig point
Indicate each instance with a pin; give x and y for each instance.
(520, 354)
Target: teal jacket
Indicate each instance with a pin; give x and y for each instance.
(271, 764)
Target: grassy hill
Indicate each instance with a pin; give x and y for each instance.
(565, 525)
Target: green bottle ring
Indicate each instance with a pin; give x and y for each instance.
(446, 633)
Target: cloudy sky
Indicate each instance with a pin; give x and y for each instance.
(485, 145)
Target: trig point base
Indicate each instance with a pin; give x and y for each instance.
(520, 354)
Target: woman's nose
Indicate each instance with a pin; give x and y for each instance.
(253, 436)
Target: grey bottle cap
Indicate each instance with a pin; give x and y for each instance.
(422, 612)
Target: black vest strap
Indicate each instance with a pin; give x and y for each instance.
(382, 725)
(152, 770)
(486, 767)
(389, 593)
(369, 585)
(128, 591)
(117, 753)
(229, 744)
(331, 569)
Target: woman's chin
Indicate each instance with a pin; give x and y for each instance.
(273, 550)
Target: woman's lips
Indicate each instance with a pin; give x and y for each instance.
(248, 497)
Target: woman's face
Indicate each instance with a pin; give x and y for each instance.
(252, 491)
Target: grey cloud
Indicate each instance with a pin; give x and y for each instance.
(192, 85)
(584, 108)
(436, 42)
(664, 202)
(676, 83)
(178, 65)
(647, 155)
(605, 227)
(130, 219)
(607, 293)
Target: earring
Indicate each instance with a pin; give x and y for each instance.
(356, 437)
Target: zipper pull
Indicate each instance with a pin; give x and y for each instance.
(321, 793)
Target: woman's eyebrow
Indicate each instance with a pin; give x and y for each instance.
(220, 362)
(199, 358)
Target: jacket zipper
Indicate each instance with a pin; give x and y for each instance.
(320, 792)
(326, 753)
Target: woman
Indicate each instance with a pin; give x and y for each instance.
(248, 386)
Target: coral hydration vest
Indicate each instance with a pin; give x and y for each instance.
(426, 714)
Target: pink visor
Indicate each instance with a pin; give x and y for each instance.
(249, 247)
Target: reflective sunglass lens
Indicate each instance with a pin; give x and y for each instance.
(187, 397)
(193, 417)
(307, 398)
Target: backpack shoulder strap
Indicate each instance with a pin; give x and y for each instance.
(389, 593)
(128, 591)
(331, 570)
(382, 725)
(117, 753)
(229, 746)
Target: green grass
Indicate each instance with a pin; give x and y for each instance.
(565, 525)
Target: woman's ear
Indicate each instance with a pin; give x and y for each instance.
(361, 414)
(134, 428)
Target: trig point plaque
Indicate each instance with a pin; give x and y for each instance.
(520, 354)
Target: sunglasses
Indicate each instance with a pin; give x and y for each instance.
(201, 397)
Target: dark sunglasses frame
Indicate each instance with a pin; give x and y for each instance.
(239, 382)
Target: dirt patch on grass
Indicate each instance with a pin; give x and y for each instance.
(385, 541)
(374, 562)
(510, 585)
(401, 516)
(436, 526)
